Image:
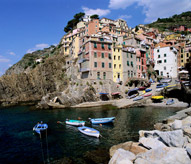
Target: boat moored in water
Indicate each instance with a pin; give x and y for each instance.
(40, 127)
(102, 120)
(89, 131)
(75, 122)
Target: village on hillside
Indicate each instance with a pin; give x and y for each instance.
(109, 49)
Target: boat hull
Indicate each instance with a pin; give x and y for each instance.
(39, 128)
(138, 98)
(102, 120)
(89, 131)
(75, 122)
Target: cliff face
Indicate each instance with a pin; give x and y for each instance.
(46, 78)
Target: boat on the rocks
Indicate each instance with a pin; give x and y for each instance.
(75, 122)
(40, 127)
(157, 98)
(170, 102)
(138, 98)
(142, 88)
(89, 131)
(161, 85)
(159, 89)
(102, 120)
(148, 90)
(147, 94)
(132, 93)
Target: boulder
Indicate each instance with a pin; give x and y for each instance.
(169, 138)
(177, 124)
(133, 147)
(165, 155)
(122, 156)
(151, 143)
(186, 121)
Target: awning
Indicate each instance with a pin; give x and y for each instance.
(183, 71)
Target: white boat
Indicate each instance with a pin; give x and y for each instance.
(75, 122)
(89, 131)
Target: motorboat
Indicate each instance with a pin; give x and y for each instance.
(102, 120)
(89, 131)
(157, 97)
(75, 122)
(40, 127)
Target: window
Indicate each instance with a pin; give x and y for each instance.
(127, 55)
(118, 50)
(158, 50)
(164, 55)
(161, 73)
(139, 59)
(142, 68)
(181, 55)
(182, 61)
(139, 67)
(95, 55)
(98, 75)
(131, 63)
(118, 57)
(95, 64)
(102, 45)
(109, 65)
(109, 46)
(119, 66)
(128, 73)
(114, 57)
(131, 55)
(102, 55)
(95, 45)
(104, 75)
(142, 62)
(182, 50)
(103, 64)
(158, 56)
(187, 54)
(109, 56)
(128, 63)
(164, 60)
(114, 65)
(114, 48)
(159, 61)
(164, 68)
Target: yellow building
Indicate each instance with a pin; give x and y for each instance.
(117, 63)
(76, 46)
(173, 37)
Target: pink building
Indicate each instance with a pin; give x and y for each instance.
(92, 27)
(95, 58)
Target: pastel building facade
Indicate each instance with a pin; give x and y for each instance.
(95, 58)
(166, 61)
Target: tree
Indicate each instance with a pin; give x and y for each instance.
(95, 16)
(136, 29)
(73, 22)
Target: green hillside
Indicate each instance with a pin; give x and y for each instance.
(167, 23)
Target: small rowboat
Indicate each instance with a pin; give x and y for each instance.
(148, 94)
(89, 131)
(170, 102)
(102, 120)
(40, 127)
(75, 122)
(142, 88)
(148, 90)
(138, 98)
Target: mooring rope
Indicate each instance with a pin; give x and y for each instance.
(42, 148)
(47, 147)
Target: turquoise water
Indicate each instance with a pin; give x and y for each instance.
(18, 144)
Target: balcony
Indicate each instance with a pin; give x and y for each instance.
(83, 60)
(84, 69)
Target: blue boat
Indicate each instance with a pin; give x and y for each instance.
(148, 90)
(170, 102)
(40, 127)
(161, 85)
(102, 120)
(138, 98)
(89, 131)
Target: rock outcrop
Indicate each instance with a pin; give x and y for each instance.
(172, 146)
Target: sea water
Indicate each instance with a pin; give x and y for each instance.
(19, 144)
